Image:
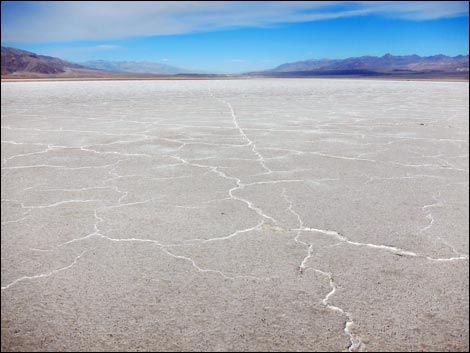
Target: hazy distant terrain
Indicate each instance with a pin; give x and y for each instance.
(134, 66)
(248, 215)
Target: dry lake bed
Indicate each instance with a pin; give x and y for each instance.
(248, 215)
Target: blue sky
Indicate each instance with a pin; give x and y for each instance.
(233, 37)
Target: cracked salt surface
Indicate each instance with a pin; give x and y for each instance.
(235, 215)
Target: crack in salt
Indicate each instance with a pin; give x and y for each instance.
(234, 234)
(355, 341)
(246, 138)
(27, 215)
(240, 186)
(429, 216)
(44, 275)
(164, 248)
(392, 249)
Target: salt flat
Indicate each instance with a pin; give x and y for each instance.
(278, 215)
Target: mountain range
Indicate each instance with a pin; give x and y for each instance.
(374, 66)
(18, 63)
(135, 66)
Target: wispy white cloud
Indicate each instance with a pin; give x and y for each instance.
(49, 21)
(105, 47)
(81, 51)
(421, 10)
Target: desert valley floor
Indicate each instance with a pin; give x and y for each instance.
(243, 215)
